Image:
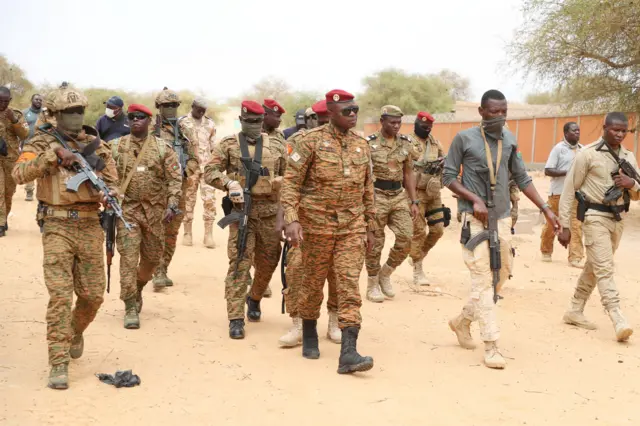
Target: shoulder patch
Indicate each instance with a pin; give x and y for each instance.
(371, 137)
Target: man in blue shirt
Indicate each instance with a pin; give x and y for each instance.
(113, 124)
(31, 117)
(300, 124)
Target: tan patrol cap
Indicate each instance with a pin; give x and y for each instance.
(166, 97)
(391, 111)
(67, 98)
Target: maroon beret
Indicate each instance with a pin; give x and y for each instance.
(252, 107)
(425, 116)
(139, 108)
(320, 107)
(273, 106)
(338, 95)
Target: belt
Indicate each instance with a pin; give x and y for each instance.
(605, 208)
(70, 214)
(387, 185)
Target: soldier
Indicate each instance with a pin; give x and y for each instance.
(73, 238)
(31, 116)
(472, 148)
(319, 116)
(151, 184)
(262, 243)
(203, 130)
(179, 136)
(431, 217)
(557, 167)
(392, 156)
(13, 128)
(328, 198)
(595, 173)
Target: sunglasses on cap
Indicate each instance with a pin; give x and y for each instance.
(73, 110)
(252, 120)
(312, 116)
(171, 105)
(351, 109)
(133, 116)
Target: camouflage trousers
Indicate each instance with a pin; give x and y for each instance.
(208, 195)
(391, 210)
(576, 252)
(346, 253)
(171, 230)
(262, 251)
(601, 239)
(480, 306)
(140, 248)
(7, 189)
(30, 186)
(295, 277)
(424, 241)
(73, 262)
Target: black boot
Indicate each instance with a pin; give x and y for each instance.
(350, 359)
(236, 329)
(253, 309)
(310, 348)
(2, 231)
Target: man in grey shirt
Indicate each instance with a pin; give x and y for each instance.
(558, 164)
(469, 152)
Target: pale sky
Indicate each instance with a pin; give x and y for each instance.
(223, 47)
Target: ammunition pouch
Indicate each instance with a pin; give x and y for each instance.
(584, 205)
(446, 216)
(465, 233)
(227, 205)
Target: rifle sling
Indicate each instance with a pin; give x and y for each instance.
(127, 180)
(493, 171)
(246, 156)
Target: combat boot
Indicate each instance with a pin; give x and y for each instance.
(139, 301)
(131, 318)
(350, 360)
(59, 376)
(310, 348)
(492, 356)
(187, 238)
(418, 274)
(208, 235)
(29, 196)
(77, 346)
(294, 336)
(575, 315)
(267, 292)
(160, 278)
(2, 231)
(333, 331)
(167, 281)
(253, 309)
(462, 327)
(236, 329)
(384, 278)
(623, 331)
(373, 290)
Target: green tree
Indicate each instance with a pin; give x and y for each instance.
(544, 98)
(410, 92)
(589, 48)
(13, 77)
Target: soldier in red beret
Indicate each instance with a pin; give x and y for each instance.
(227, 172)
(434, 216)
(331, 160)
(151, 182)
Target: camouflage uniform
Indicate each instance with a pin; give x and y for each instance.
(428, 188)
(203, 131)
(72, 239)
(329, 189)
(12, 134)
(263, 243)
(155, 184)
(171, 230)
(389, 157)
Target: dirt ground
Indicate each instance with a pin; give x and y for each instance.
(192, 373)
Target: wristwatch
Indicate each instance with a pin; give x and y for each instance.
(416, 202)
(545, 206)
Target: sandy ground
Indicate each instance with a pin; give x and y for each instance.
(192, 373)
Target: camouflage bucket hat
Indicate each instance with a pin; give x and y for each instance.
(68, 98)
(167, 96)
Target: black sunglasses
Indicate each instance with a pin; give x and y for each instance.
(171, 105)
(252, 120)
(133, 116)
(312, 117)
(352, 109)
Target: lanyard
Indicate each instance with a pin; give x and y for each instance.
(493, 175)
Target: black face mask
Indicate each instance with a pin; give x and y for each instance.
(422, 133)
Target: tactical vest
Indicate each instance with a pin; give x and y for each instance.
(264, 186)
(431, 184)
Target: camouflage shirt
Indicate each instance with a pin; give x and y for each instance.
(426, 150)
(13, 134)
(157, 181)
(277, 135)
(188, 143)
(390, 156)
(328, 186)
(203, 131)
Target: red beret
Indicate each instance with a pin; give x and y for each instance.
(425, 116)
(338, 95)
(252, 107)
(273, 106)
(320, 107)
(139, 108)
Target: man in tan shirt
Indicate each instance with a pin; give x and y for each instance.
(593, 173)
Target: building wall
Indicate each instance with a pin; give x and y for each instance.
(536, 136)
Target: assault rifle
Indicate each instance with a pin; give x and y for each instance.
(432, 167)
(178, 147)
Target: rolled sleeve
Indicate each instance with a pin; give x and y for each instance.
(519, 171)
(453, 161)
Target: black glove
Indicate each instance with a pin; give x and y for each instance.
(121, 379)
